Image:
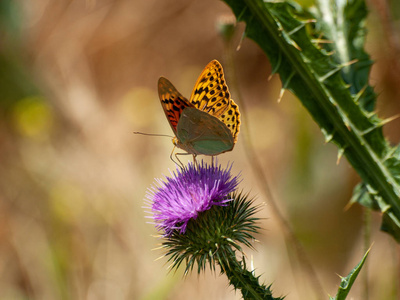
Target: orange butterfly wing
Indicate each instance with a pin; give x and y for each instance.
(172, 102)
(211, 95)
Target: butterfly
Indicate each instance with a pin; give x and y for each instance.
(209, 122)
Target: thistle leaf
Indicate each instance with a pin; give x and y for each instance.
(347, 282)
(331, 81)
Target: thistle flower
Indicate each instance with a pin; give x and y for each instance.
(205, 221)
(187, 193)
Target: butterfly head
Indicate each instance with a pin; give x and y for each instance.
(179, 144)
(175, 141)
(185, 146)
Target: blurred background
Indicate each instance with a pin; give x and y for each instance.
(77, 78)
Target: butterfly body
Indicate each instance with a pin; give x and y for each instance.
(208, 123)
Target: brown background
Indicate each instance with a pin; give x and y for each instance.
(78, 77)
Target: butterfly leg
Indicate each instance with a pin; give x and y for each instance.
(180, 164)
(212, 161)
(195, 161)
(177, 161)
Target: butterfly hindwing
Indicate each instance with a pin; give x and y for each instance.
(202, 133)
(172, 101)
(231, 118)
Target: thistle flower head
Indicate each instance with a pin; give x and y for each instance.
(188, 192)
(205, 221)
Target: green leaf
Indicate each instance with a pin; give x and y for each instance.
(330, 86)
(344, 23)
(362, 196)
(347, 282)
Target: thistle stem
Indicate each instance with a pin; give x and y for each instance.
(244, 280)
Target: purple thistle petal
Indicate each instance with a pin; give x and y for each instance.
(177, 199)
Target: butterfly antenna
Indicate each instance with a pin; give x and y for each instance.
(152, 134)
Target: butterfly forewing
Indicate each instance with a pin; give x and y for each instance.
(210, 93)
(172, 102)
